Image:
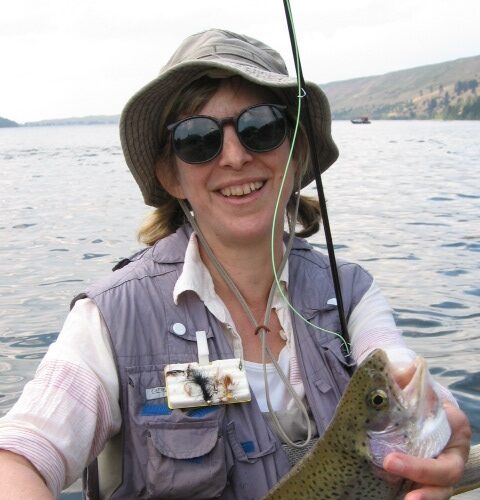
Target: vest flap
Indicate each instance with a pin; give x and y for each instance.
(335, 348)
(311, 312)
(184, 440)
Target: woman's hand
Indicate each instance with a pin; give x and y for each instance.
(434, 478)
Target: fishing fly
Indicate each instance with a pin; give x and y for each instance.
(196, 378)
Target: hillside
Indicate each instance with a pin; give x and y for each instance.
(7, 123)
(448, 90)
(84, 120)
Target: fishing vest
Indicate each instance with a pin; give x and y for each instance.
(226, 451)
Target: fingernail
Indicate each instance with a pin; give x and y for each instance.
(396, 466)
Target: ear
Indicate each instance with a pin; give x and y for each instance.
(168, 179)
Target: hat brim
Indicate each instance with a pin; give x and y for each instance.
(142, 116)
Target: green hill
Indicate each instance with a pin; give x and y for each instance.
(7, 123)
(83, 120)
(448, 90)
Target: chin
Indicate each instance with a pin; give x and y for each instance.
(253, 237)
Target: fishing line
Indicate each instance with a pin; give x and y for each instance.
(318, 178)
(300, 95)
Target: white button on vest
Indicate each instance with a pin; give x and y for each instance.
(178, 329)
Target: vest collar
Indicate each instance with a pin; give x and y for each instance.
(171, 250)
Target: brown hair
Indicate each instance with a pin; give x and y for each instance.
(167, 218)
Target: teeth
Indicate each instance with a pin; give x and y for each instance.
(241, 190)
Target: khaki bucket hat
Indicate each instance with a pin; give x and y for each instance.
(215, 53)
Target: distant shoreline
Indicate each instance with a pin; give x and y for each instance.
(68, 123)
(443, 91)
(59, 122)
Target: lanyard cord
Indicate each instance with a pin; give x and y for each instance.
(261, 329)
(316, 169)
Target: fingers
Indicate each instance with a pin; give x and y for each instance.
(430, 493)
(461, 430)
(445, 470)
(435, 477)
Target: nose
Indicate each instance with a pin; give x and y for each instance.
(233, 154)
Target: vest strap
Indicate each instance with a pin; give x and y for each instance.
(91, 488)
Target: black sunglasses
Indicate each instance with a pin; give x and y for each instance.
(260, 128)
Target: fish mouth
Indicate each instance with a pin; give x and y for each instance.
(418, 393)
(412, 380)
(241, 189)
(433, 429)
(418, 424)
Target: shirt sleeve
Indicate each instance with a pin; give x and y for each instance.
(70, 409)
(371, 326)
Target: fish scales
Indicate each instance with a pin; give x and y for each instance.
(372, 411)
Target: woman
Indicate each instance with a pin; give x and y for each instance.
(208, 143)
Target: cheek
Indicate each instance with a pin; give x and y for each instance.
(191, 181)
(282, 159)
(168, 177)
(291, 179)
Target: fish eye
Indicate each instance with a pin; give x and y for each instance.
(377, 399)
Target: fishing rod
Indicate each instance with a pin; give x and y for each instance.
(317, 173)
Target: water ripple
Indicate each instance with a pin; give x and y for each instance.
(453, 272)
(87, 256)
(42, 340)
(450, 305)
(23, 226)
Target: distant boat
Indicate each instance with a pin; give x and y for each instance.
(361, 120)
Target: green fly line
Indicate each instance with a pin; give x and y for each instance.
(300, 95)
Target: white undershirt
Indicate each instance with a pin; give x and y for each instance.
(279, 397)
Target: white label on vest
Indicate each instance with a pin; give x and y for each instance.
(155, 393)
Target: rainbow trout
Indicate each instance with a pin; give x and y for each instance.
(374, 417)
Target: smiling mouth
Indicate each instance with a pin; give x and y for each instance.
(242, 189)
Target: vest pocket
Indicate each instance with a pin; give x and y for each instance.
(248, 451)
(185, 460)
(337, 363)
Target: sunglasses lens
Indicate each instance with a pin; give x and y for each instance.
(262, 128)
(197, 140)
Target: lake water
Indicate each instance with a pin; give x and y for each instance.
(403, 198)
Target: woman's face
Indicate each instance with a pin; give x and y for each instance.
(233, 196)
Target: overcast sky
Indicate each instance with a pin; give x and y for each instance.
(63, 58)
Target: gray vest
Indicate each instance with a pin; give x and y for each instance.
(229, 451)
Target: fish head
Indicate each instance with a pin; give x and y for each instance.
(401, 409)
